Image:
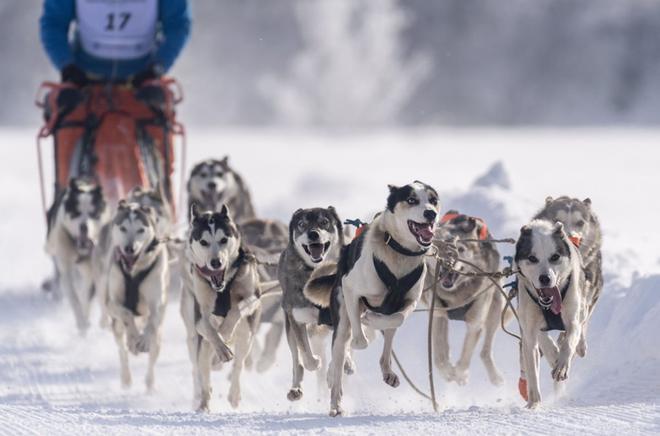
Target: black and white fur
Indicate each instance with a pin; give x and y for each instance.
(580, 223)
(547, 259)
(74, 224)
(315, 237)
(473, 300)
(220, 301)
(409, 219)
(213, 183)
(137, 280)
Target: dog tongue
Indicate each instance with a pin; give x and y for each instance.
(555, 305)
(425, 231)
(316, 250)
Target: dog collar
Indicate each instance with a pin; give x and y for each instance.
(392, 243)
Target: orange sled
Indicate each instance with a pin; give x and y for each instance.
(120, 136)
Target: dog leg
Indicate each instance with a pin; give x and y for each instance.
(120, 338)
(531, 357)
(349, 363)
(463, 364)
(581, 348)
(229, 324)
(204, 376)
(441, 348)
(567, 351)
(207, 331)
(121, 314)
(340, 342)
(154, 351)
(548, 348)
(310, 361)
(378, 321)
(490, 328)
(295, 393)
(71, 289)
(243, 344)
(317, 341)
(154, 320)
(389, 377)
(352, 303)
(271, 344)
(194, 342)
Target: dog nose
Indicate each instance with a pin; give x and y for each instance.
(129, 249)
(544, 279)
(212, 185)
(215, 263)
(83, 229)
(313, 235)
(430, 214)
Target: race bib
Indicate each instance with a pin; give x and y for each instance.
(117, 29)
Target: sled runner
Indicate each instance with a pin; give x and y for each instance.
(118, 135)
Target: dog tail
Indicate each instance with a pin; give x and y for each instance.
(319, 286)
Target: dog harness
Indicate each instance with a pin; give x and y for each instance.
(457, 313)
(553, 321)
(223, 299)
(394, 245)
(132, 283)
(397, 289)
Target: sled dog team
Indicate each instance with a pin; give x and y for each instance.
(319, 282)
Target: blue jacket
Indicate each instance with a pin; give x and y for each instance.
(174, 19)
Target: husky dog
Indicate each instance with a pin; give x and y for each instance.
(220, 301)
(74, 223)
(583, 229)
(137, 279)
(155, 199)
(315, 236)
(474, 300)
(267, 239)
(213, 183)
(379, 279)
(553, 295)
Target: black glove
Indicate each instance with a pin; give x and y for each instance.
(150, 73)
(73, 74)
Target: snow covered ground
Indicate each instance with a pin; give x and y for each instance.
(54, 382)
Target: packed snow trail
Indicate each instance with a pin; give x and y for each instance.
(54, 382)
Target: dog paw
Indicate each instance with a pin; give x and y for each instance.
(203, 407)
(224, 354)
(132, 340)
(126, 380)
(149, 383)
(495, 378)
(359, 342)
(581, 349)
(560, 373)
(349, 366)
(533, 405)
(336, 411)
(447, 371)
(234, 397)
(391, 379)
(294, 394)
(378, 321)
(461, 376)
(143, 343)
(312, 363)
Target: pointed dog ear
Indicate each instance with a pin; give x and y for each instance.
(225, 160)
(392, 188)
(73, 184)
(587, 202)
(194, 211)
(548, 200)
(525, 230)
(224, 210)
(338, 224)
(123, 204)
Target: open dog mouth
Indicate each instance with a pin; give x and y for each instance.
(127, 260)
(550, 298)
(215, 277)
(423, 232)
(84, 246)
(316, 251)
(449, 279)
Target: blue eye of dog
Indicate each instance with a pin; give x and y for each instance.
(554, 257)
(223, 240)
(413, 200)
(203, 243)
(533, 259)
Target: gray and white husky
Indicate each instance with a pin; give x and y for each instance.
(137, 277)
(213, 183)
(553, 295)
(74, 223)
(220, 300)
(315, 236)
(583, 229)
(155, 199)
(474, 300)
(379, 279)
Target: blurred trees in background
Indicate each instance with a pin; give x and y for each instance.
(354, 63)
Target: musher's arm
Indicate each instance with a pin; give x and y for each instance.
(174, 16)
(54, 31)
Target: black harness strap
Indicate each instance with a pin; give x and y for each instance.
(397, 289)
(459, 313)
(223, 299)
(389, 240)
(554, 322)
(132, 286)
(325, 316)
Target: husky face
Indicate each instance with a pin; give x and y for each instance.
(413, 212)
(213, 242)
(315, 233)
(543, 254)
(211, 183)
(83, 210)
(579, 221)
(461, 227)
(154, 200)
(133, 230)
